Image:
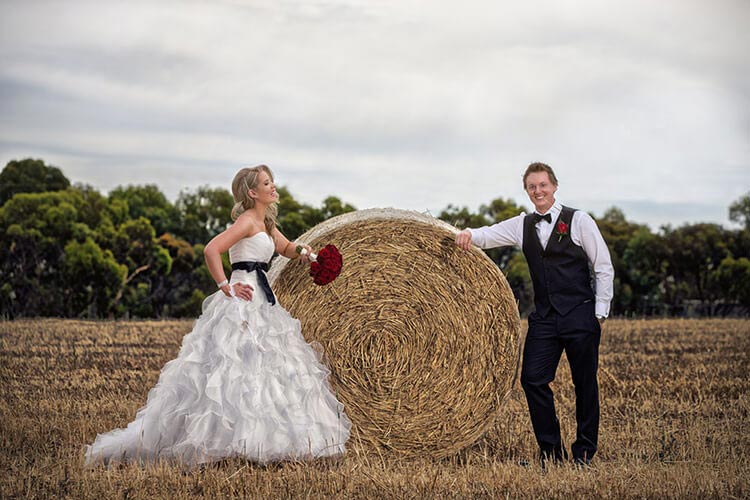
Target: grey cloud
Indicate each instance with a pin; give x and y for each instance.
(391, 103)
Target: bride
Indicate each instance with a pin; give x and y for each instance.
(245, 382)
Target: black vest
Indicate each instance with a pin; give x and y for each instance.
(560, 273)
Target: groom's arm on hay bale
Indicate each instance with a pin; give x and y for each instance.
(503, 234)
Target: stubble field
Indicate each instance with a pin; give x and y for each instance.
(675, 400)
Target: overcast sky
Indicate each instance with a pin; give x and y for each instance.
(644, 105)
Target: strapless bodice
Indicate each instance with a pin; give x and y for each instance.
(256, 248)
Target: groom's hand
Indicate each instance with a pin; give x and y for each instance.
(463, 239)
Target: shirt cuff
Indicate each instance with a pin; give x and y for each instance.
(601, 309)
(476, 237)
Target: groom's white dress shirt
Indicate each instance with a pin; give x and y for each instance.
(583, 232)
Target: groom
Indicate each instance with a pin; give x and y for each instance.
(563, 247)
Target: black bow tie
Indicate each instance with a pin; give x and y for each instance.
(547, 217)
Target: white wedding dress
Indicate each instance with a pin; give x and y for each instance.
(245, 384)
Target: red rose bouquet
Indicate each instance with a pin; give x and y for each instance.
(326, 264)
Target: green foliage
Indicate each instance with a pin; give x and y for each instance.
(618, 232)
(69, 251)
(739, 211)
(497, 210)
(644, 265)
(333, 206)
(147, 262)
(733, 276)
(38, 228)
(519, 278)
(30, 176)
(204, 213)
(150, 203)
(694, 252)
(92, 277)
(181, 292)
(53, 214)
(96, 210)
(295, 218)
(463, 217)
(500, 209)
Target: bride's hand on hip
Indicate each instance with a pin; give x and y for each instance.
(241, 291)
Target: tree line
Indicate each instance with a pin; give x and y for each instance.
(69, 251)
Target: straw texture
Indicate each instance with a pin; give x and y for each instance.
(422, 338)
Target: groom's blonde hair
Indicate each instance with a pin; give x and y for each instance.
(539, 167)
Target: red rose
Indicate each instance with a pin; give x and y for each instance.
(315, 268)
(328, 265)
(324, 277)
(562, 230)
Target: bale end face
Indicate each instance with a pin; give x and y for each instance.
(422, 338)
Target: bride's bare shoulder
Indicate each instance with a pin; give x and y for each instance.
(247, 224)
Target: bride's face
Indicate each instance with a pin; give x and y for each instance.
(265, 191)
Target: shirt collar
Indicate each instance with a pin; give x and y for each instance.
(554, 210)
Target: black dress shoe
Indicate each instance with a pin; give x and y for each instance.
(554, 458)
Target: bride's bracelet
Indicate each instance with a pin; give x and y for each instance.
(225, 282)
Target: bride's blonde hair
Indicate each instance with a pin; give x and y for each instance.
(245, 180)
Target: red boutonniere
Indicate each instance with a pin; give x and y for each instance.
(562, 230)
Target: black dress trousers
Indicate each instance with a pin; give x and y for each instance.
(578, 334)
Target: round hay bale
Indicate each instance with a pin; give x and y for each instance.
(422, 338)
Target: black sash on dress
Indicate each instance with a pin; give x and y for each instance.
(260, 268)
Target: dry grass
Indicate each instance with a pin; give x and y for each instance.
(675, 403)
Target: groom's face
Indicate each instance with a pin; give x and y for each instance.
(541, 191)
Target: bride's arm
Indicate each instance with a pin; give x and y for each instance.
(287, 248)
(220, 244)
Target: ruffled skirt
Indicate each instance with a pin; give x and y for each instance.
(245, 384)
